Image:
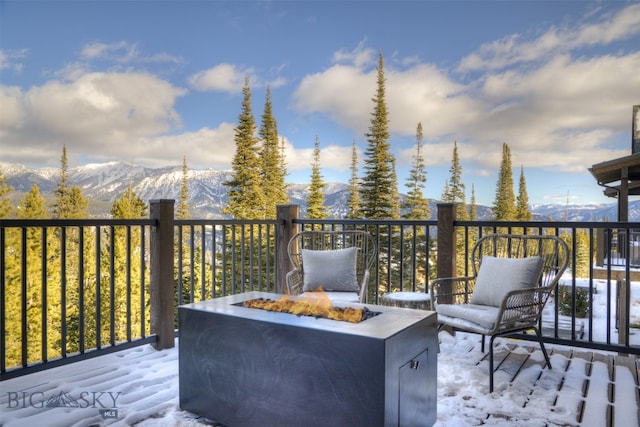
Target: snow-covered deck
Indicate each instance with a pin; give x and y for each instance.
(140, 387)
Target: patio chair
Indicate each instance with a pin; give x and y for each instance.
(513, 277)
(336, 262)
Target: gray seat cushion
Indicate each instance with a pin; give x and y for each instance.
(484, 316)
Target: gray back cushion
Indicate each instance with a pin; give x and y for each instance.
(498, 276)
(331, 270)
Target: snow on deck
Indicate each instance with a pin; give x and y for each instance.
(139, 387)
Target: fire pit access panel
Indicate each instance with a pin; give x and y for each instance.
(246, 367)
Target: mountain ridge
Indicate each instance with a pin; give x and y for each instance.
(102, 183)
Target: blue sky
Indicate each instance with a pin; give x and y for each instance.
(149, 82)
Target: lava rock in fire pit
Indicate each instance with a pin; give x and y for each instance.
(318, 308)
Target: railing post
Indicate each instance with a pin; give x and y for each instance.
(161, 265)
(600, 246)
(285, 229)
(446, 240)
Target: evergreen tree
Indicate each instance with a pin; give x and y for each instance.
(379, 187)
(5, 203)
(473, 208)
(454, 190)
(315, 199)
(245, 189)
(33, 206)
(66, 251)
(128, 206)
(70, 203)
(128, 306)
(273, 173)
(353, 204)
(504, 208)
(473, 216)
(522, 206)
(416, 205)
(582, 261)
(283, 168)
(182, 209)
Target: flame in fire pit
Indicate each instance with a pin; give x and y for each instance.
(316, 304)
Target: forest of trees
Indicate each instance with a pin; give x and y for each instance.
(94, 281)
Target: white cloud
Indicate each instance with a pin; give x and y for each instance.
(124, 52)
(11, 107)
(332, 157)
(230, 78)
(205, 148)
(12, 59)
(121, 49)
(359, 57)
(223, 77)
(515, 49)
(96, 114)
(555, 111)
(341, 92)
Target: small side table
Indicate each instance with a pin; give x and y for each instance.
(420, 300)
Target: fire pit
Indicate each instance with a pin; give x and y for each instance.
(316, 306)
(245, 367)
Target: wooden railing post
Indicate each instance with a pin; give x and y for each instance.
(161, 269)
(446, 240)
(285, 229)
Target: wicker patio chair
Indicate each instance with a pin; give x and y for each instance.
(513, 277)
(337, 262)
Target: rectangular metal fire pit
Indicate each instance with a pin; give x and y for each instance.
(245, 367)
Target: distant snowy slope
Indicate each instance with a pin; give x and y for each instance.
(105, 182)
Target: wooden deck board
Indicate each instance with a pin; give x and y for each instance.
(604, 385)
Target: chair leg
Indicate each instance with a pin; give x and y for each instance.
(544, 350)
(482, 344)
(490, 361)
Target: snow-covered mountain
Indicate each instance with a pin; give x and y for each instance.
(592, 212)
(102, 183)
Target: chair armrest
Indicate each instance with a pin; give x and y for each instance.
(522, 306)
(362, 293)
(294, 282)
(452, 290)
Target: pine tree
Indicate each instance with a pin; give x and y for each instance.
(70, 203)
(416, 205)
(353, 204)
(128, 206)
(62, 189)
(33, 206)
(273, 173)
(128, 304)
(473, 216)
(315, 198)
(454, 190)
(245, 189)
(473, 208)
(182, 209)
(5, 203)
(283, 168)
(522, 206)
(504, 208)
(379, 187)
